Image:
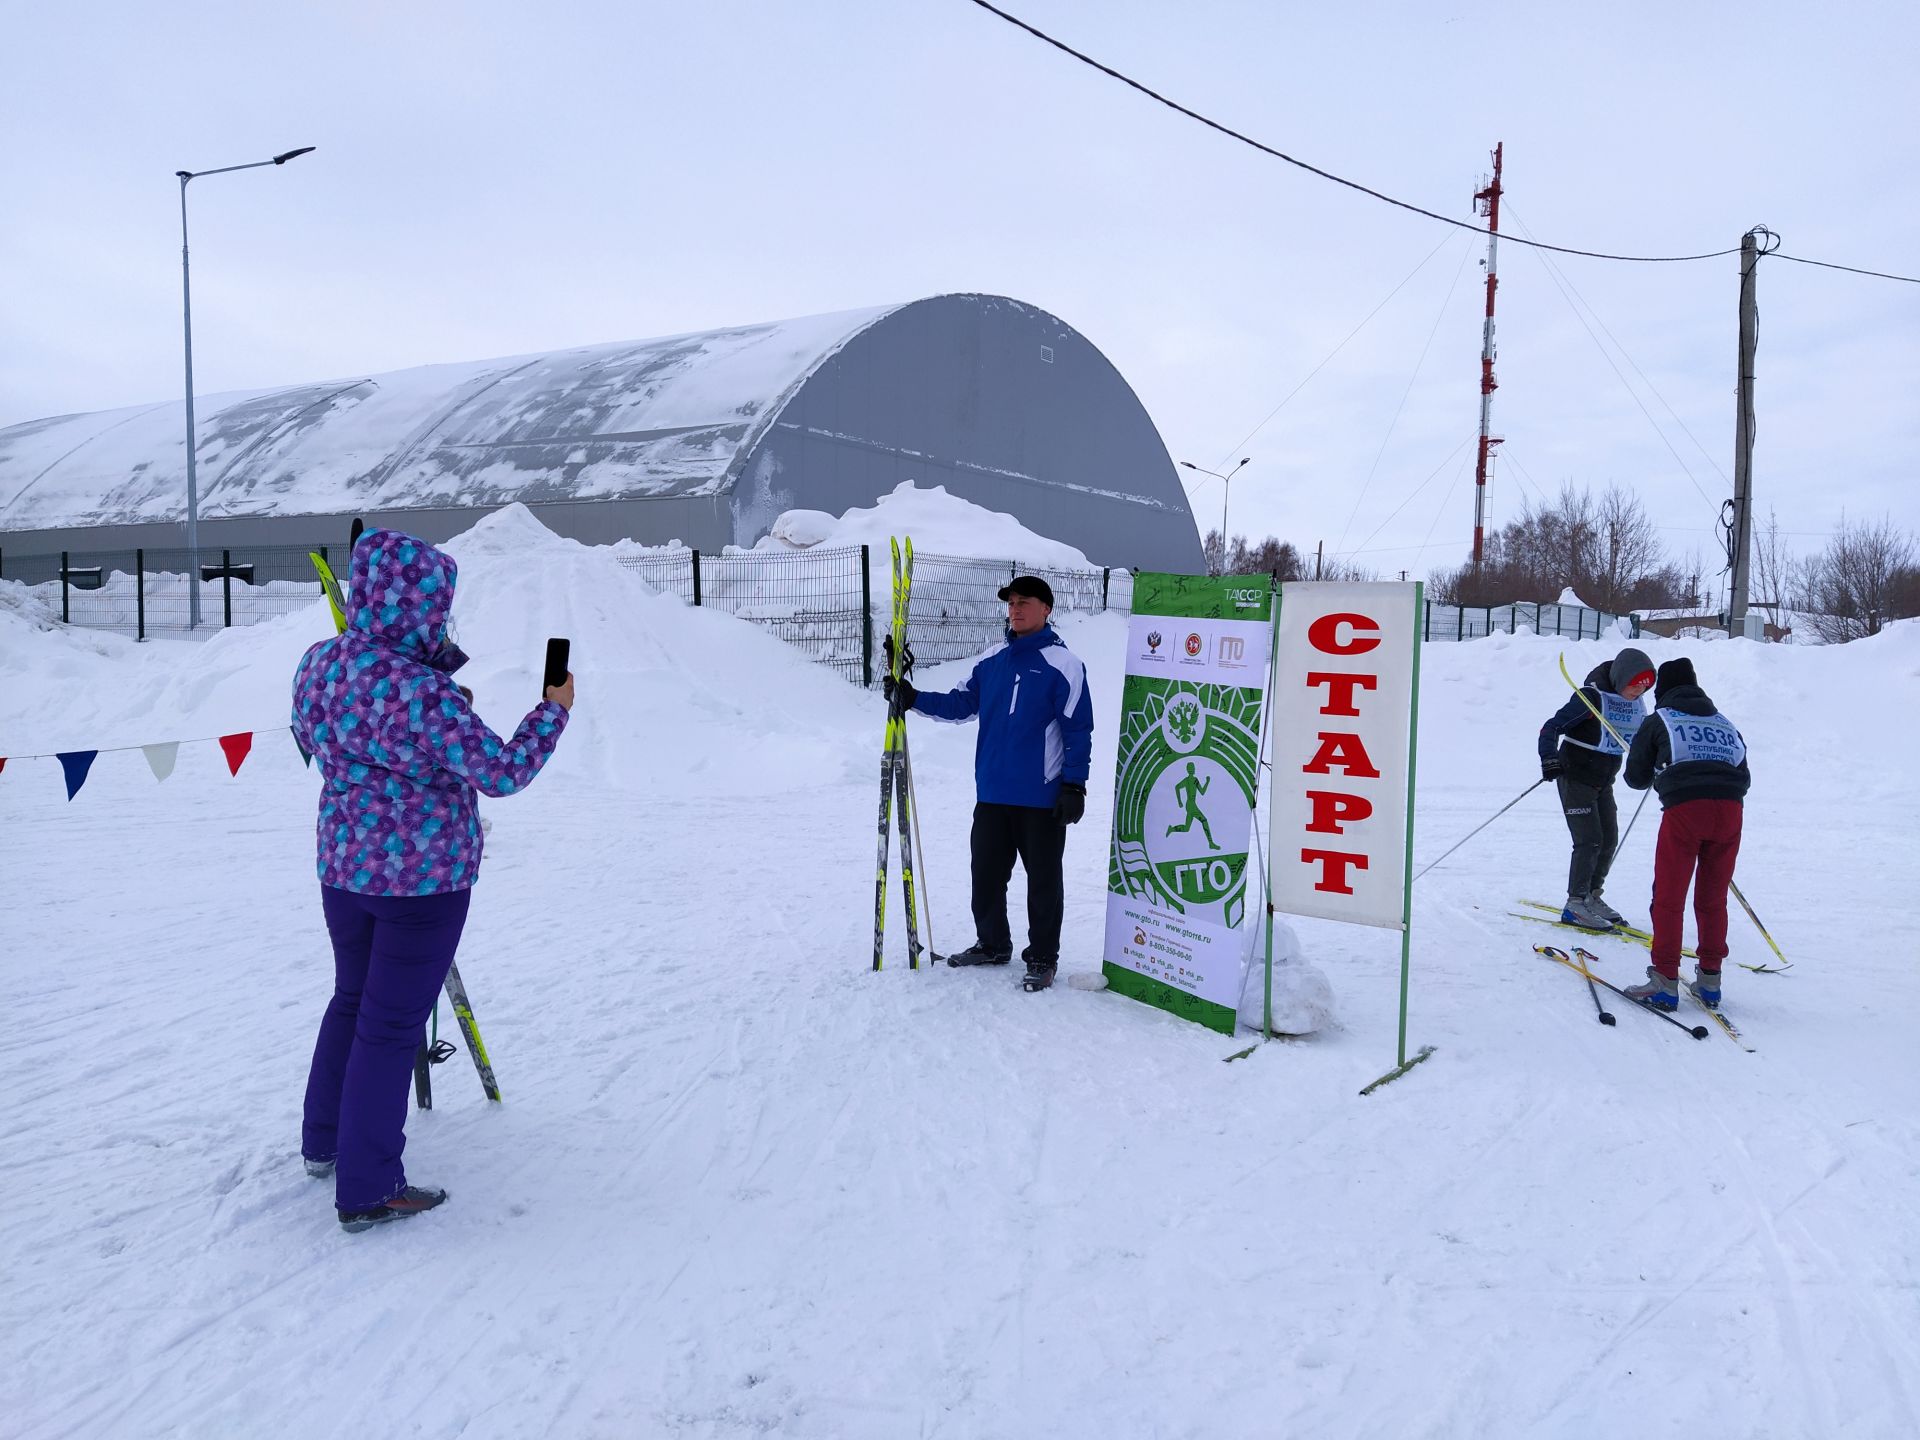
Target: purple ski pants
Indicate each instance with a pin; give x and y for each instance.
(391, 954)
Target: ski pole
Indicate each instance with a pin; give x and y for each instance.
(1594, 990)
(1484, 823)
(1784, 962)
(1630, 824)
(1699, 1032)
(1567, 675)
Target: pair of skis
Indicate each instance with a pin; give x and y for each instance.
(428, 1054)
(896, 779)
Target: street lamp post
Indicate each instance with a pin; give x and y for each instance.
(1226, 493)
(186, 324)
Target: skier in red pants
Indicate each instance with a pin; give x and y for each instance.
(1694, 757)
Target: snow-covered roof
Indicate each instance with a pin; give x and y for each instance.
(640, 418)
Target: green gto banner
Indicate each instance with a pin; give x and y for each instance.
(1198, 649)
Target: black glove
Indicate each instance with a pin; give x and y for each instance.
(906, 654)
(898, 692)
(1552, 767)
(1070, 804)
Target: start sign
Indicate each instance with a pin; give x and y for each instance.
(1342, 706)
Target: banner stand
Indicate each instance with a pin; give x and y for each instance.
(1406, 911)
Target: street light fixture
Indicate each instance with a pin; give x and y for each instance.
(186, 321)
(1226, 486)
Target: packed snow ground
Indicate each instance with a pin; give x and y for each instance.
(741, 1185)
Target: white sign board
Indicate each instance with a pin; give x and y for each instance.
(1341, 698)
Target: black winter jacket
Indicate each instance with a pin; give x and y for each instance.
(1575, 721)
(1650, 761)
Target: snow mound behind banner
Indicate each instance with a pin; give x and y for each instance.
(939, 524)
(1302, 994)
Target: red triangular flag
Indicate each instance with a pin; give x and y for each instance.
(236, 747)
(3, 762)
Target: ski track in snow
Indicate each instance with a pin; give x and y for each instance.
(743, 1186)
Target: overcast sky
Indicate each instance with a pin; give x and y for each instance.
(494, 179)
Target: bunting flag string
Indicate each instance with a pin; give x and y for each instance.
(75, 765)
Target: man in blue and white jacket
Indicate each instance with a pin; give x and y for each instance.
(1029, 771)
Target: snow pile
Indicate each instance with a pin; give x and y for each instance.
(940, 524)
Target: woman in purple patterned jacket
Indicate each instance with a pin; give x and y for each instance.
(403, 758)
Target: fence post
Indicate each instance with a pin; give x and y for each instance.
(64, 614)
(696, 577)
(1106, 577)
(1426, 621)
(140, 592)
(866, 621)
(1460, 621)
(226, 586)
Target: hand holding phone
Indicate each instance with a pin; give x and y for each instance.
(558, 681)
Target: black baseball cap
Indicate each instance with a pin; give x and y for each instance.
(1031, 585)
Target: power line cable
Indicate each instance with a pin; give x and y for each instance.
(1242, 445)
(1400, 409)
(1632, 393)
(1413, 494)
(1850, 269)
(1231, 133)
(1601, 322)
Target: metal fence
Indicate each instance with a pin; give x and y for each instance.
(819, 601)
(145, 592)
(1470, 622)
(831, 603)
(834, 604)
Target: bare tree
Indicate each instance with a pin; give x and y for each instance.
(1214, 549)
(1775, 572)
(1607, 551)
(1865, 577)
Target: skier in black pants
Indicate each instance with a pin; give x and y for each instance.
(1578, 753)
(1029, 771)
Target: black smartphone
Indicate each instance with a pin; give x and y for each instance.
(557, 654)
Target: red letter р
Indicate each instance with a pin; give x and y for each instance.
(1340, 689)
(1333, 869)
(1331, 810)
(1337, 747)
(1324, 635)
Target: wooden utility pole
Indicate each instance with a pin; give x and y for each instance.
(1742, 525)
(1487, 203)
(1319, 550)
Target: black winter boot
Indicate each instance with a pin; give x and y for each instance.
(1039, 975)
(978, 954)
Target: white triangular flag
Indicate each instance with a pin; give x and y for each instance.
(160, 757)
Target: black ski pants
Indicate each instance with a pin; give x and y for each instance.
(1001, 832)
(1595, 825)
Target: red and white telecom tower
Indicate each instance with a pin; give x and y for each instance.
(1487, 202)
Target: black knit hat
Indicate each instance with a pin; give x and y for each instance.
(1031, 585)
(1673, 674)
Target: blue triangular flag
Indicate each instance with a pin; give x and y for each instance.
(76, 763)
